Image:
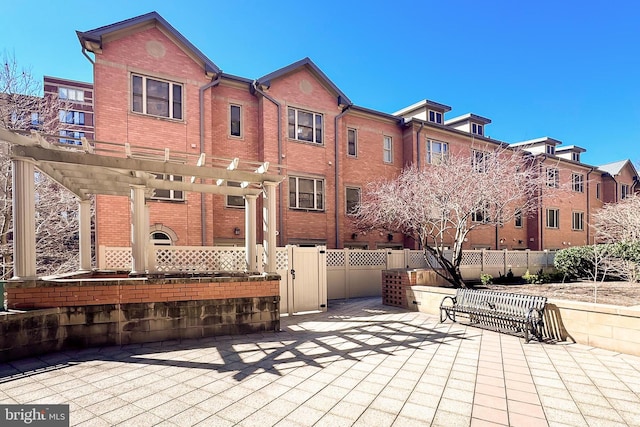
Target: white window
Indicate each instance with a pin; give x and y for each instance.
(517, 220)
(72, 117)
(306, 193)
(305, 125)
(36, 121)
(436, 151)
(161, 194)
(435, 116)
(235, 201)
(481, 215)
(575, 157)
(577, 180)
(156, 97)
(235, 120)
(71, 134)
(624, 191)
(553, 177)
(71, 94)
(160, 238)
(352, 142)
(553, 218)
(577, 221)
(480, 160)
(551, 149)
(353, 199)
(387, 149)
(477, 129)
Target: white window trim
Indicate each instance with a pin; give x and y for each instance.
(573, 220)
(480, 166)
(477, 129)
(518, 215)
(624, 191)
(436, 114)
(386, 150)
(234, 184)
(295, 138)
(355, 136)
(577, 182)
(443, 154)
(144, 97)
(346, 190)
(556, 219)
(553, 181)
(315, 207)
(241, 136)
(172, 197)
(78, 94)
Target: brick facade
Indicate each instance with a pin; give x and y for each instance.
(150, 48)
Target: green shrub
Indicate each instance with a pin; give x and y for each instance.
(486, 279)
(578, 262)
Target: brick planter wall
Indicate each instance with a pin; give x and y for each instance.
(396, 281)
(100, 312)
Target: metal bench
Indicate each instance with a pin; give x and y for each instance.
(500, 311)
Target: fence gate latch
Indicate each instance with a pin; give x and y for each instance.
(293, 274)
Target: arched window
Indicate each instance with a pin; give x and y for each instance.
(160, 238)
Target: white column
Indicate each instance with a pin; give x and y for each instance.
(24, 220)
(250, 223)
(269, 224)
(84, 206)
(139, 230)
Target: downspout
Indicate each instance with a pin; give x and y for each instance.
(337, 174)
(84, 52)
(588, 205)
(418, 144)
(255, 88)
(203, 208)
(541, 214)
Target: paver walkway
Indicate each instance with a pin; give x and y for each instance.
(361, 363)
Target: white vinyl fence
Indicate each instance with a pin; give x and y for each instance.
(350, 273)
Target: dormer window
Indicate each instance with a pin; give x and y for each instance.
(435, 117)
(477, 129)
(575, 157)
(551, 149)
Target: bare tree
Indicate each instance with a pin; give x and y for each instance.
(23, 108)
(619, 222)
(440, 204)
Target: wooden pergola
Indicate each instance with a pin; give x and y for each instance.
(96, 167)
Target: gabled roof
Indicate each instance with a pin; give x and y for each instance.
(92, 38)
(616, 167)
(545, 139)
(469, 117)
(424, 104)
(306, 62)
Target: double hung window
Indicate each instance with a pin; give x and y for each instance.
(306, 193)
(162, 194)
(553, 218)
(387, 149)
(577, 181)
(156, 97)
(305, 125)
(352, 142)
(436, 151)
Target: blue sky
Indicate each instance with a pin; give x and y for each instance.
(565, 69)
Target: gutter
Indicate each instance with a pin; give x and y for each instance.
(203, 208)
(84, 52)
(254, 88)
(541, 213)
(337, 174)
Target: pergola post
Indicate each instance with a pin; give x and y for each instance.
(269, 226)
(250, 223)
(84, 206)
(24, 220)
(139, 234)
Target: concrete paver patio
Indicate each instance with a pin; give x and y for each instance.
(360, 363)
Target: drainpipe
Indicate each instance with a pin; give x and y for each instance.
(588, 205)
(337, 173)
(541, 214)
(418, 143)
(203, 208)
(255, 88)
(84, 52)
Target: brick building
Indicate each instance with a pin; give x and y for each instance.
(76, 121)
(154, 88)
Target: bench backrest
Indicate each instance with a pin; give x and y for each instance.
(516, 304)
